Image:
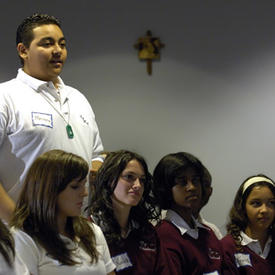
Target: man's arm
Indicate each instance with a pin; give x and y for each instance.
(7, 205)
(96, 164)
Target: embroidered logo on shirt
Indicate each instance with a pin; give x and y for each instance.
(41, 119)
(84, 120)
(214, 255)
(122, 261)
(242, 259)
(147, 246)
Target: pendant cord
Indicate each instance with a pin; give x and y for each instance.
(69, 130)
(67, 122)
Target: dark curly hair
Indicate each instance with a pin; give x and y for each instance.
(238, 220)
(100, 205)
(24, 33)
(167, 170)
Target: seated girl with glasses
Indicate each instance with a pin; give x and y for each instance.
(122, 204)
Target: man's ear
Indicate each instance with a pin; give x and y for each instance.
(210, 190)
(22, 50)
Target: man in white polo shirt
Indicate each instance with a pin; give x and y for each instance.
(38, 112)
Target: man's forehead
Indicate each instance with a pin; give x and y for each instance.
(47, 30)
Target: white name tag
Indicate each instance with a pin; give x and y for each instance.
(41, 119)
(212, 273)
(122, 261)
(242, 259)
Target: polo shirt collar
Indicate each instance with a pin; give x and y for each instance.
(181, 224)
(40, 85)
(33, 82)
(255, 246)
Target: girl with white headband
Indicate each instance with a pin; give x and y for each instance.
(249, 247)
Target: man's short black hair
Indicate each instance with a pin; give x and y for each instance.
(24, 32)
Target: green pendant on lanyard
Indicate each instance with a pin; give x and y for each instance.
(69, 130)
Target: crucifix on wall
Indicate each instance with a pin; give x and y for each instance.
(149, 49)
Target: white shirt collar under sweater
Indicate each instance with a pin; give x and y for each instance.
(255, 246)
(213, 227)
(43, 86)
(180, 223)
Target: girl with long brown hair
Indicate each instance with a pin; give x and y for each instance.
(50, 234)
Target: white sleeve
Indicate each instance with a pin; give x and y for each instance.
(214, 228)
(27, 250)
(97, 146)
(103, 249)
(3, 118)
(97, 143)
(19, 266)
(4, 267)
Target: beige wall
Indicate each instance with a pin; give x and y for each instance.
(212, 94)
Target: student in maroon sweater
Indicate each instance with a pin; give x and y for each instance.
(208, 189)
(122, 205)
(249, 247)
(193, 248)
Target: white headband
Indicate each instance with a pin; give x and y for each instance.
(253, 180)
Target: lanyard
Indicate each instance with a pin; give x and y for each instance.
(69, 128)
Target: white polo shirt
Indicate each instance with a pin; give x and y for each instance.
(33, 120)
(18, 267)
(39, 263)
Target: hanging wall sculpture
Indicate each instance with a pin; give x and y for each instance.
(149, 49)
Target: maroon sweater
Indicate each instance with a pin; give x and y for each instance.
(246, 261)
(189, 255)
(140, 257)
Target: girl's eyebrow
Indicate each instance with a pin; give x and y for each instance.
(133, 173)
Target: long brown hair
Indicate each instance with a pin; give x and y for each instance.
(6, 244)
(101, 206)
(36, 209)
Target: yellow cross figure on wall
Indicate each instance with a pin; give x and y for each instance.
(149, 49)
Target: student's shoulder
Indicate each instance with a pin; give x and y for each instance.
(166, 228)
(8, 82)
(228, 239)
(21, 236)
(149, 233)
(228, 243)
(213, 228)
(97, 231)
(24, 243)
(94, 227)
(76, 96)
(164, 224)
(73, 91)
(10, 86)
